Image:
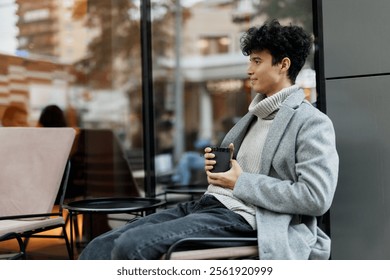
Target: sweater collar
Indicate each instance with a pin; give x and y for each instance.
(266, 107)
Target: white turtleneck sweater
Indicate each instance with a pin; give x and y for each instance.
(249, 155)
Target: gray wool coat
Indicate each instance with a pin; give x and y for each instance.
(297, 181)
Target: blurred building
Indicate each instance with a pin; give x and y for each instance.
(30, 84)
(48, 29)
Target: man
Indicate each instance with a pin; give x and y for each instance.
(284, 173)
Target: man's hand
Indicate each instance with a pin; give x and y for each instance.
(223, 179)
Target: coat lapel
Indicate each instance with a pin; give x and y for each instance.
(282, 119)
(278, 128)
(237, 133)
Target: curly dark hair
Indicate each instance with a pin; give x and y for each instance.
(52, 116)
(281, 41)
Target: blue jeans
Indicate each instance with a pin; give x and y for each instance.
(150, 237)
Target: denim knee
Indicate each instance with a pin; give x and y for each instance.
(128, 248)
(96, 249)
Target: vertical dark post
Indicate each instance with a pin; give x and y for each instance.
(324, 220)
(147, 99)
(179, 108)
(319, 54)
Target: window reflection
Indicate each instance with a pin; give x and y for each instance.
(213, 69)
(85, 57)
(214, 44)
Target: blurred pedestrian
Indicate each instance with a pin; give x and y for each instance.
(15, 116)
(52, 116)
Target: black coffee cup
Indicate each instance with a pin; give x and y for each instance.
(222, 157)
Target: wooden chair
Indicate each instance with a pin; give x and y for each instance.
(213, 249)
(246, 247)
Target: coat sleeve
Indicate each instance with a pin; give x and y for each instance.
(304, 181)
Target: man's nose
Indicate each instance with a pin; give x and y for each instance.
(249, 70)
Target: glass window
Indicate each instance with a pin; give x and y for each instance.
(200, 78)
(213, 44)
(36, 15)
(85, 57)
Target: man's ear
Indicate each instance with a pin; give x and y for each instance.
(285, 64)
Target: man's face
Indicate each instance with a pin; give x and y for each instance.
(265, 78)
